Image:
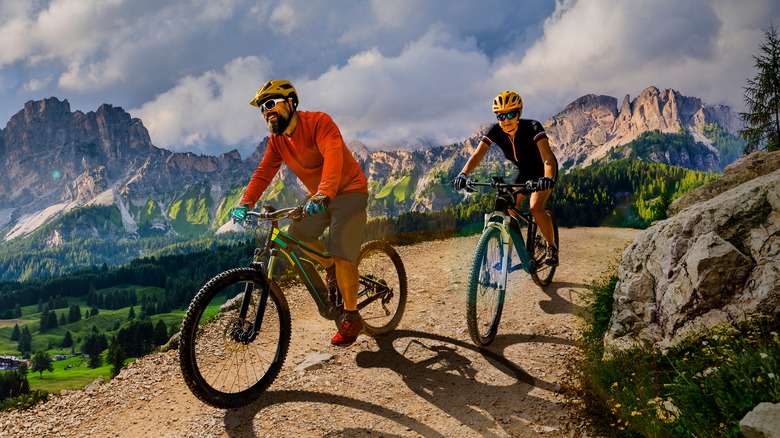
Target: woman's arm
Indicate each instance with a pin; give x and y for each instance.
(476, 158)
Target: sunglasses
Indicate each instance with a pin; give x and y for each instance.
(510, 116)
(270, 104)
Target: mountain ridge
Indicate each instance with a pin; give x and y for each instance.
(55, 160)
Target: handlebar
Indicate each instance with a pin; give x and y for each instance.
(498, 183)
(272, 214)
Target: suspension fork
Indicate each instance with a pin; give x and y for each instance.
(265, 288)
(500, 222)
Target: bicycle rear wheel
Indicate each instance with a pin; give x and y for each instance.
(382, 291)
(537, 245)
(223, 364)
(485, 293)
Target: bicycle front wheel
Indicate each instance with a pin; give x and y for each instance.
(223, 361)
(485, 291)
(382, 291)
(537, 245)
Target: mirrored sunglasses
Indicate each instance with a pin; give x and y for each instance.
(270, 104)
(510, 116)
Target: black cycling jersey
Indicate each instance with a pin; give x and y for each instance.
(524, 154)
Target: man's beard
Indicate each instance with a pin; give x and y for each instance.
(279, 124)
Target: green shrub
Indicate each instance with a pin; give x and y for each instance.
(700, 387)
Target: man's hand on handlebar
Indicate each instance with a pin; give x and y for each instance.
(238, 214)
(318, 203)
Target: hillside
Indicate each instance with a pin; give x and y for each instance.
(425, 379)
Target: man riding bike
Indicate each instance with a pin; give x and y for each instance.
(525, 145)
(312, 147)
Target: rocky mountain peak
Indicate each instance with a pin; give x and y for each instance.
(591, 125)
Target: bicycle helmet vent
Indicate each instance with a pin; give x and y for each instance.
(275, 88)
(507, 101)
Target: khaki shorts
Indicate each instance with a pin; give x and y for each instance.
(346, 217)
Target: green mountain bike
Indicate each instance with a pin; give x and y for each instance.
(236, 331)
(492, 260)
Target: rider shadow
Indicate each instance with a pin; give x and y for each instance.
(432, 368)
(240, 422)
(558, 304)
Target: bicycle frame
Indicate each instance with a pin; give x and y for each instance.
(278, 242)
(507, 224)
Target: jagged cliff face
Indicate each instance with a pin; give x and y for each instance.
(590, 126)
(54, 160)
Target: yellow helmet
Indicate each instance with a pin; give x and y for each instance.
(507, 101)
(275, 88)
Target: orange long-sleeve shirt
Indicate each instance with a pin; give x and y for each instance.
(316, 154)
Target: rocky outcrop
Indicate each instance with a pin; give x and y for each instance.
(741, 171)
(592, 125)
(715, 261)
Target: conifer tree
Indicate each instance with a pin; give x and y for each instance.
(762, 98)
(67, 341)
(25, 340)
(16, 334)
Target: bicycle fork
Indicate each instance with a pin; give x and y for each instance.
(238, 333)
(506, 239)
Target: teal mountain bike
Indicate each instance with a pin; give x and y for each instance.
(236, 331)
(492, 260)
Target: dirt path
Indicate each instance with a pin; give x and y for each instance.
(424, 379)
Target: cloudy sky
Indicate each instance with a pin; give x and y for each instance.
(387, 71)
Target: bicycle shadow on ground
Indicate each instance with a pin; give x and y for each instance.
(558, 303)
(432, 368)
(240, 422)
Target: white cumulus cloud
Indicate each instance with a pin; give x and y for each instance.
(212, 107)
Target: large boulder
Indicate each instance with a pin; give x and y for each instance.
(715, 261)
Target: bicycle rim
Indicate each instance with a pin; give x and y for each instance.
(544, 273)
(485, 293)
(221, 370)
(382, 290)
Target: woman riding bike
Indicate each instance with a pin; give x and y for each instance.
(525, 145)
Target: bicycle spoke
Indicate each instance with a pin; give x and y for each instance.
(382, 297)
(485, 292)
(224, 363)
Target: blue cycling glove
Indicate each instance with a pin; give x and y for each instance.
(316, 204)
(239, 213)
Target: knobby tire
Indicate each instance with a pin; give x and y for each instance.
(220, 370)
(485, 300)
(543, 274)
(382, 263)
